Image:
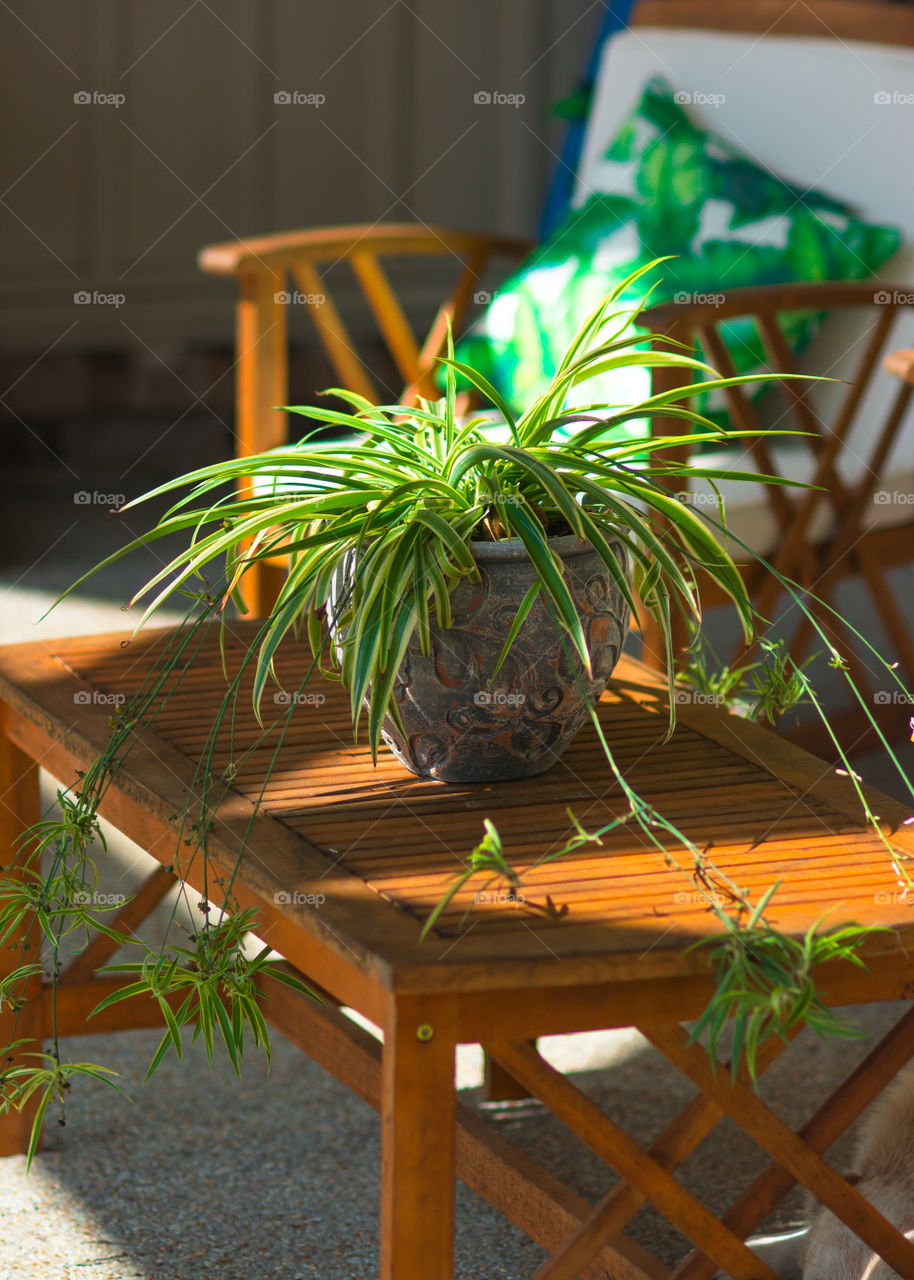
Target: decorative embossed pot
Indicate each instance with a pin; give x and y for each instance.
(463, 725)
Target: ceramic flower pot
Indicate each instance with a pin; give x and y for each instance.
(461, 722)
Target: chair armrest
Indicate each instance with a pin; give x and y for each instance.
(230, 257)
(765, 299)
(901, 363)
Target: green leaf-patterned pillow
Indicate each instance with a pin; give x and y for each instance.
(672, 189)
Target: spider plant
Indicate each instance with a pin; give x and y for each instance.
(378, 530)
(392, 511)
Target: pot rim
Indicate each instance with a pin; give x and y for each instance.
(569, 544)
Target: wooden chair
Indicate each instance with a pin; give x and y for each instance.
(859, 520)
(266, 265)
(750, 72)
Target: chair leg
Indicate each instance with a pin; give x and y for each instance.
(262, 383)
(260, 586)
(887, 607)
(22, 1021)
(653, 651)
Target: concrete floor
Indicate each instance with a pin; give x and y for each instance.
(203, 1176)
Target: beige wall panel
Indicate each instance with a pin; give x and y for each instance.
(112, 207)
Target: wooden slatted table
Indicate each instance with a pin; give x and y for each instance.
(344, 861)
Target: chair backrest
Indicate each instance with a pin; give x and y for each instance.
(277, 270)
(832, 451)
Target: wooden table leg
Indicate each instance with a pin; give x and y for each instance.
(19, 809)
(418, 1115)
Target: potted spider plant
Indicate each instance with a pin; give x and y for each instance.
(471, 584)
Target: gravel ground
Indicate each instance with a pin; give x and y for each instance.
(201, 1175)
